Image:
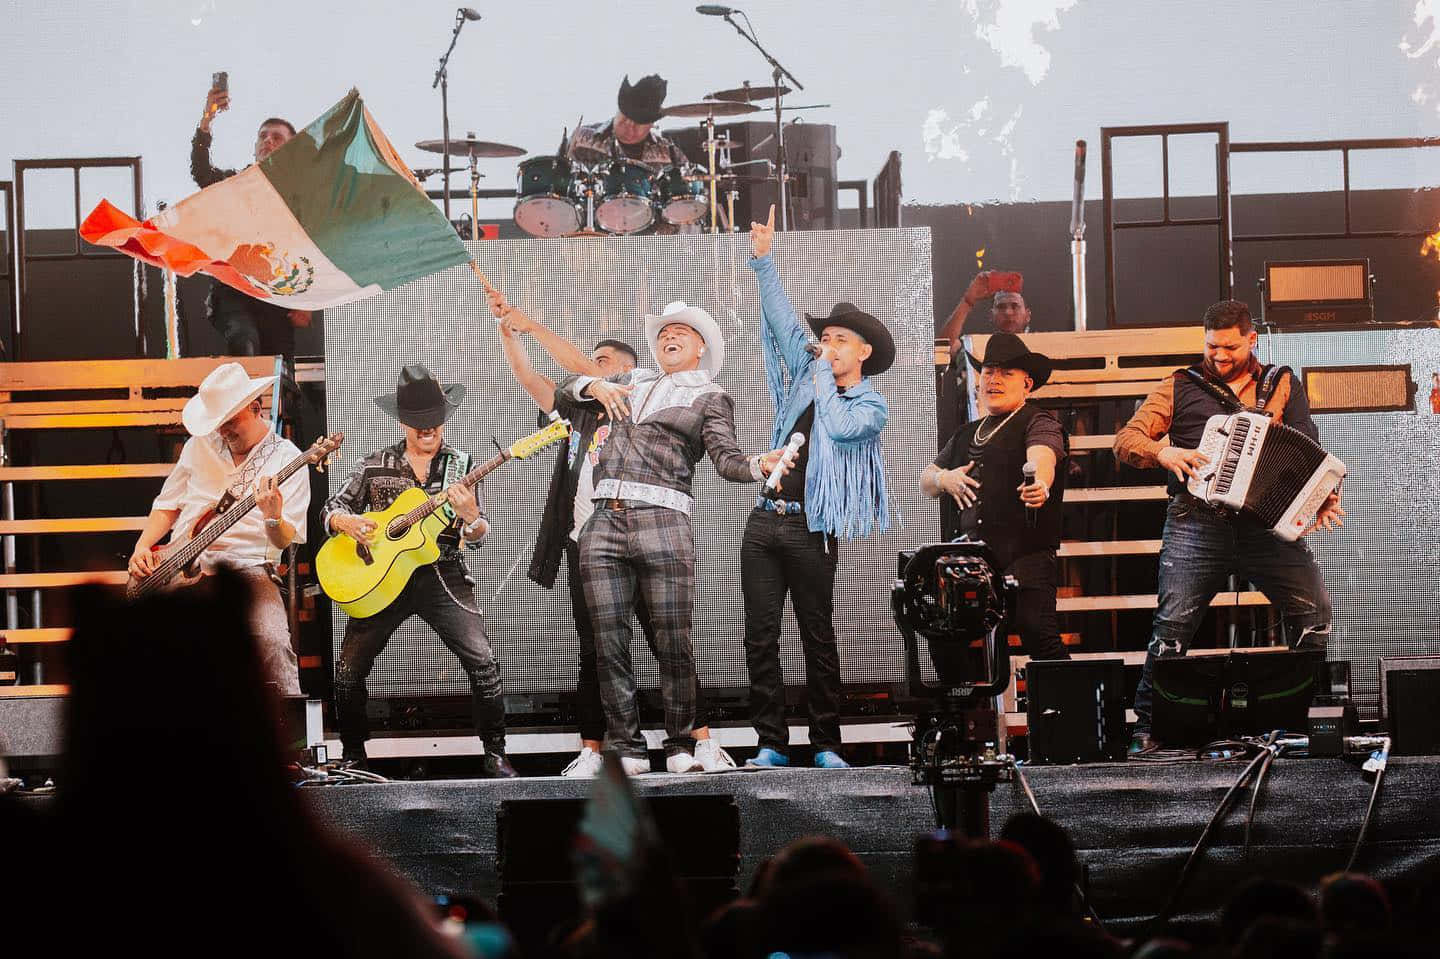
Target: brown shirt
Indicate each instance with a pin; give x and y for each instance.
(1140, 441)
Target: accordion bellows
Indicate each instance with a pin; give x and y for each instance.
(1267, 471)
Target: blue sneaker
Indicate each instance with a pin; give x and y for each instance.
(768, 758)
(829, 759)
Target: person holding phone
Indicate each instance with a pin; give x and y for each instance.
(248, 326)
(1008, 312)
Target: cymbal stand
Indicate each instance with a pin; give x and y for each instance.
(777, 72)
(475, 176)
(710, 153)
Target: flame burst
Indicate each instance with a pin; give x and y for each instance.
(980, 253)
(1431, 244)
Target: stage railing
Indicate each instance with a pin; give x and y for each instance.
(100, 395)
(1221, 220)
(7, 267)
(80, 251)
(1344, 148)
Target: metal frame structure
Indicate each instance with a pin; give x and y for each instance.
(23, 257)
(1222, 196)
(7, 251)
(887, 192)
(1343, 147)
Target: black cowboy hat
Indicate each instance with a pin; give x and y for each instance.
(1009, 351)
(850, 316)
(642, 101)
(420, 402)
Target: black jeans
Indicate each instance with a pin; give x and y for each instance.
(589, 712)
(1034, 617)
(779, 554)
(439, 594)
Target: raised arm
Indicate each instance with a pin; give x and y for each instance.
(561, 350)
(540, 387)
(954, 327)
(781, 328)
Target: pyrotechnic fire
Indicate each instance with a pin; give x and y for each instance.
(1431, 244)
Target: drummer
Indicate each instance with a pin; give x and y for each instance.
(629, 135)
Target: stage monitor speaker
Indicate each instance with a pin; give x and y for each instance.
(1411, 709)
(812, 154)
(1075, 711)
(1200, 699)
(1360, 389)
(1308, 293)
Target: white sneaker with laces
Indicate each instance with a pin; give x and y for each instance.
(587, 765)
(635, 765)
(683, 763)
(712, 758)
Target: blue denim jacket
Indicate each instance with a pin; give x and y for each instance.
(845, 490)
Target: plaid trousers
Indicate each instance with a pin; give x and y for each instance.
(650, 549)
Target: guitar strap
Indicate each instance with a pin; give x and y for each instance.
(457, 464)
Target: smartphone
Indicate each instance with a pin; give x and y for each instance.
(1006, 282)
(220, 80)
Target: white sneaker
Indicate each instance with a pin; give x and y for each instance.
(683, 763)
(712, 758)
(587, 765)
(635, 766)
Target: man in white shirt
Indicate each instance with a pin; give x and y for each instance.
(232, 449)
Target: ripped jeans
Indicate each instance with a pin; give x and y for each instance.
(1202, 547)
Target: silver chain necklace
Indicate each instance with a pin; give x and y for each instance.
(981, 441)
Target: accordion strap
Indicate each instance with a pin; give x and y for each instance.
(1264, 388)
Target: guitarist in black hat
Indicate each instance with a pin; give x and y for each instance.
(980, 478)
(442, 594)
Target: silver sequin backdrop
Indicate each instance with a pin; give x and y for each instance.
(590, 289)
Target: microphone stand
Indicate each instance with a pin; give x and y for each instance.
(442, 79)
(777, 71)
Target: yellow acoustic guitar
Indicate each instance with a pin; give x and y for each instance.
(362, 579)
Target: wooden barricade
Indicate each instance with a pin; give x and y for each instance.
(91, 395)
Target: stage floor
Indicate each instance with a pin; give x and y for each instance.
(1133, 823)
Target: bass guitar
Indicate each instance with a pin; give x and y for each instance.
(364, 579)
(179, 564)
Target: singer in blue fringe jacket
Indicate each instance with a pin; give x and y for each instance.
(835, 489)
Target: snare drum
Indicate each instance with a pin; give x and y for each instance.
(682, 198)
(626, 204)
(546, 203)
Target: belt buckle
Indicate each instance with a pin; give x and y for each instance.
(616, 504)
(780, 506)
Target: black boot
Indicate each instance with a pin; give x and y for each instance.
(495, 766)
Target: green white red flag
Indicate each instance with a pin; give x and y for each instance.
(331, 217)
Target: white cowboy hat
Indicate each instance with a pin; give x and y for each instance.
(699, 321)
(226, 391)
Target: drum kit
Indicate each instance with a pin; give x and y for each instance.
(593, 194)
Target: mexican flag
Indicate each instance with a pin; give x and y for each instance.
(331, 217)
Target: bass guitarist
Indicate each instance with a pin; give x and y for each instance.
(232, 450)
(442, 593)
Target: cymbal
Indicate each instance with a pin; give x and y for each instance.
(747, 93)
(469, 146)
(710, 108)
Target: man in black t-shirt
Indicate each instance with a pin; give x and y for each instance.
(979, 476)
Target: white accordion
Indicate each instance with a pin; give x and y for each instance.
(1265, 470)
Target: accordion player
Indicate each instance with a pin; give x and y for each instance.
(1269, 472)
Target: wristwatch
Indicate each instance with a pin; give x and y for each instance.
(273, 523)
(472, 526)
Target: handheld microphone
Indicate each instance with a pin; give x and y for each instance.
(468, 13)
(1031, 513)
(813, 347)
(715, 10)
(797, 440)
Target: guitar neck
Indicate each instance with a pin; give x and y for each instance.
(186, 554)
(469, 479)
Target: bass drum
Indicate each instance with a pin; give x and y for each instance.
(626, 197)
(546, 204)
(682, 196)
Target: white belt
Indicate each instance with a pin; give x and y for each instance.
(644, 493)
